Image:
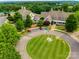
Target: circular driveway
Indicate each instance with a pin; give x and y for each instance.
(21, 45)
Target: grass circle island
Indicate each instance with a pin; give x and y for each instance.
(48, 47)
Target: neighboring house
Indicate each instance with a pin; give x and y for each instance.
(59, 16)
(3, 19)
(24, 12)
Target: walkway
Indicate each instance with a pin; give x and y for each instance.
(3, 19)
(21, 46)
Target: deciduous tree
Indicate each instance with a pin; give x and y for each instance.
(28, 21)
(40, 23)
(7, 51)
(20, 25)
(10, 33)
(71, 23)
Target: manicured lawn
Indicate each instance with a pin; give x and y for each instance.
(60, 27)
(77, 29)
(48, 47)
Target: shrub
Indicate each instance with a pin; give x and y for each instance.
(40, 23)
(7, 51)
(20, 25)
(10, 33)
(71, 23)
(46, 23)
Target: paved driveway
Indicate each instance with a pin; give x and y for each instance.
(3, 19)
(21, 46)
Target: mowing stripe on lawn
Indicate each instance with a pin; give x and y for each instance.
(52, 50)
(57, 50)
(46, 51)
(34, 40)
(58, 55)
(66, 49)
(37, 45)
(62, 50)
(41, 48)
(38, 53)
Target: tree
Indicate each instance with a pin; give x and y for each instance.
(10, 33)
(77, 16)
(8, 38)
(40, 23)
(2, 37)
(20, 25)
(17, 16)
(47, 8)
(7, 51)
(76, 7)
(28, 21)
(65, 7)
(71, 23)
(42, 18)
(10, 18)
(37, 9)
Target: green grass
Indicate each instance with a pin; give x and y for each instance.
(60, 27)
(77, 29)
(39, 48)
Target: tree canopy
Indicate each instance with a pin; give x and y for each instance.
(28, 21)
(71, 23)
(40, 23)
(10, 33)
(2, 37)
(17, 16)
(7, 51)
(10, 18)
(38, 7)
(8, 39)
(77, 16)
(20, 25)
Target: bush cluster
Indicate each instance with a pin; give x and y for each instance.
(8, 40)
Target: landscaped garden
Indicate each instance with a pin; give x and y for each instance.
(27, 21)
(48, 47)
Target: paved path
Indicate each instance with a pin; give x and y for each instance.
(3, 19)
(21, 46)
